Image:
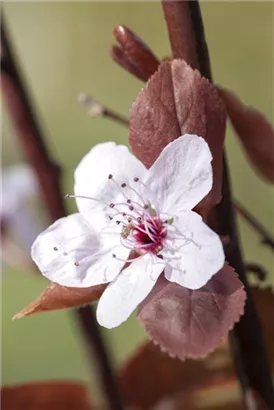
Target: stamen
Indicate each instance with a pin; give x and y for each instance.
(150, 235)
(118, 186)
(128, 245)
(136, 193)
(125, 260)
(70, 196)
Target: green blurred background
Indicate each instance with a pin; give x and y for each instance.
(63, 49)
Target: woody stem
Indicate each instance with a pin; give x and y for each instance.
(247, 342)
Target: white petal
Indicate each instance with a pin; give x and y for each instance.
(123, 295)
(91, 179)
(182, 175)
(70, 253)
(198, 252)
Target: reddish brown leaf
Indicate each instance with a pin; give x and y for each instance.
(159, 376)
(56, 297)
(191, 323)
(118, 55)
(176, 101)
(135, 52)
(254, 131)
(53, 395)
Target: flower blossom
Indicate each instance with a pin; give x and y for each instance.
(133, 225)
(19, 224)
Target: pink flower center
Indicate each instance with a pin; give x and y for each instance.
(149, 237)
(142, 228)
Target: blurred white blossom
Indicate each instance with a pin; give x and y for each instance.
(19, 222)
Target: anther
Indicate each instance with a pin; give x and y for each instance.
(76, 263)
(129, 220)
(118, 222)
(55, 248)
(110, 218)
(146, 206)
(136, 179)
(113, 255)
(129, 201)
(130, 207)
(111, 205)
(123, 185)
(123, 214)
(139, 219)
(110, 176)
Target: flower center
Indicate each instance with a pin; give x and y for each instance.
(143, 227)
(149, 237)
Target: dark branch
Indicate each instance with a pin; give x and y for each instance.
(48, 174)
(258, 270)
(266, 238)
(247, 342)
(181, 31)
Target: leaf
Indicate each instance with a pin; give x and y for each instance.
(159, 376)
(191, 323)
(255, 133)
(176, 101)
(118, 55)
(56, 297)
(133, 55)
(48, 395)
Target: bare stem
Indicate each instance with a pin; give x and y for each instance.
(247, 342)
(48, 175)
(266, 238)
(95, 109)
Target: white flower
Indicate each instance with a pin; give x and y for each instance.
(19, 224)
(130, 214)
(19, 186)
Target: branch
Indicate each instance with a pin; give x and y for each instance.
(258, 270)
(266, 239)
(247, 342)
(48, 175)
(96, 109)
(181, 31)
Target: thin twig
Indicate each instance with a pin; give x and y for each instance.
(96, 109)
(266, 238)
(258, 270)
(247, 342)
(48, 174)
